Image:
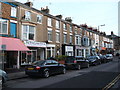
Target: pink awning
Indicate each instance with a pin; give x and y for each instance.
(12, 44)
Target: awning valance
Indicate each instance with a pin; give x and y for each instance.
(12, 44)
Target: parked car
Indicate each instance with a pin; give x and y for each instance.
(45, 68)
(109, 57)
(3, 76)
(82, 61)
(94, 60)
(71, 63)
(76, 62)
(103, 58)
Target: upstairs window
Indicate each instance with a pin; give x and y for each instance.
(28, 32)
(70, 28)
(27, 15)
(39, 19)
(49, 34)
(65, 38)
(57, 37)
(71, 39)
(13, 11)
(49, 22)
(58, 24)
(65, 26)
(3, 26)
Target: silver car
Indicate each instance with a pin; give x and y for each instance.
(3, 76)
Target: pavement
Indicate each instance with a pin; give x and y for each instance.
(16, 75)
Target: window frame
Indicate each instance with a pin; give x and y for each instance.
(40, 17)
(49, 22)
(13, 12)
(1, 21)
(50, 33)
(28, 32)
(28, 15)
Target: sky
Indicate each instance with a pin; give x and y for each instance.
(92, 12)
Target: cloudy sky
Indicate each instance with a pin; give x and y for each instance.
(92, 12)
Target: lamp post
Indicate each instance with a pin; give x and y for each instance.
(99, 35)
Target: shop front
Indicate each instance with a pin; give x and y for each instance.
(68, 50)
(78, 51)
(10, 51)
(37, 52)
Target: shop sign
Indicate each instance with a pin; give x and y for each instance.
(34, 44)
(69, 48)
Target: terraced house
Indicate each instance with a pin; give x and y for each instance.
(44, 35)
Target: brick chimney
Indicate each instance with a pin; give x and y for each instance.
(68, 19)
(112, 33)
(59, 16)
(30, 4)
(46, 10)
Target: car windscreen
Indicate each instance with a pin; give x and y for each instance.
(91, 57)
(41, 62)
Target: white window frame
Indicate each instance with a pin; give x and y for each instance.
(65, 38)
(39, 19)
(77, 37)
(49, 21)
(57, 24)
(71, 28)
(1, 21)
(27, 15)
(71, 39)
(13, 11)
(65, 26)
(57, 37)
(28, 32)
(50, 32)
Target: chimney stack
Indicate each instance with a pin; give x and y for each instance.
(30, 4)
(68, 19)
(46, 10)
(112, 33)
(59, 16)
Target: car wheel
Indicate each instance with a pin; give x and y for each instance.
(46, 74)
(78, 67)
(63, 71)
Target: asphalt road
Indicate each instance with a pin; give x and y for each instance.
(93, 77)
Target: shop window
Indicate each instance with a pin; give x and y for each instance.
(13, 11)
(3, 26)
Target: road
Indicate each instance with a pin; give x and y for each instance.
(93, 77)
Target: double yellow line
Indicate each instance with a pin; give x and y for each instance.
(111, 83)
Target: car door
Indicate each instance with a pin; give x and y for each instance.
(55, 67)
(48, 66)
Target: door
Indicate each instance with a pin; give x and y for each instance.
(13, 29)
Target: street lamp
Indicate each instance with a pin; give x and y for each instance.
(101, 26)
(99, 36)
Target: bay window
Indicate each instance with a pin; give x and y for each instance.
(28, 32)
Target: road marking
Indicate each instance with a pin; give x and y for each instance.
(111, 83)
